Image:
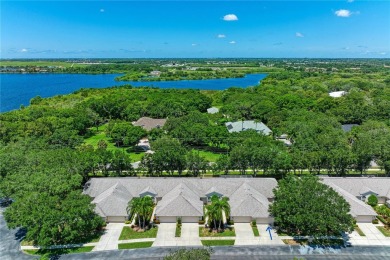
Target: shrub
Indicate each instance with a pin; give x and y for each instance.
(382, 219)
(253, 223)
(179, 221)
(372, 200)
(201, 222)
(375, 221)
(127, 222)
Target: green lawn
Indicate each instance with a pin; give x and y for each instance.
(385, 232)
(205, 232)
(178, 231)
(135, 245)
(210, 156)
(128, 233)
(96, 136)
(255, 231)
(60, 251)
(359, 231)
(218, 242)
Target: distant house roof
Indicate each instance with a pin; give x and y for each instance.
(337, 94)
(148, 123)
(348, 127)
(246, 125)
(284, 138)
(212, 110)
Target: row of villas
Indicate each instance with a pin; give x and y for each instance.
(249, 198)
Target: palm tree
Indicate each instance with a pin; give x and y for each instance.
(143, 207)
(216, 209)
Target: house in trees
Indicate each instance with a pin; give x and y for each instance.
(148, 123)
(247, 125)
(183, 197)
(348, 127)
(356, 192)
(337, 94)
(212, 110)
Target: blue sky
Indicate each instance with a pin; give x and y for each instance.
(157, 29)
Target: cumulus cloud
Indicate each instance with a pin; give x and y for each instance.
(298, 34)
(221, 36)
(232, 42)
(343, 13)
(230, 17)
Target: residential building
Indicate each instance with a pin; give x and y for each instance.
(148, 123)
(246, 125)
(212, 110)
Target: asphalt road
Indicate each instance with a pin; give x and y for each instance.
(249, 252)
(10, 242)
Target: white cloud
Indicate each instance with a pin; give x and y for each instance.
(230, 17)
(350, 1)
(382, 53)
(343, 13)
(23, 50)
(298, 34)
(102, 10)
(194, 44)
(221, 36)
(232, 42)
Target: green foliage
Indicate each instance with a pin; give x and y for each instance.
(372, 200)
(135, 245)
(143, 207)
(190, 254)
(215, 211)
(301, 202)
(229, 242)
(128, 233)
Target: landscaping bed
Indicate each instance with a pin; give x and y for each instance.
(255, 231)
(359, 231)
(218, 242)
(206, 232)
(178, 230)
(135, 245)
(129, 233)
(385, 231)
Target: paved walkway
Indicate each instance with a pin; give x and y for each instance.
(109, 240)
(265, 238)
(244, 234)
(373, 237)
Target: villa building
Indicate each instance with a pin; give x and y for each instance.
(183, 198)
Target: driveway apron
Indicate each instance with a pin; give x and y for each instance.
(165, 235)
(244, 235)
(189, 235)
(265, 237)
(110, 238)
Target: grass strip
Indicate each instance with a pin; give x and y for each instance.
(135, 245)
(218, 242)
(128, 233)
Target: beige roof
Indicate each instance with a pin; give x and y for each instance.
(148, 123)
(113, 201)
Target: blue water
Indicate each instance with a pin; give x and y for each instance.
(18, 89)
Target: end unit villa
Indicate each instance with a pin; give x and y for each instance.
(183, 197)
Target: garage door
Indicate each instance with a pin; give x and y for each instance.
(167, 219)
(265, 221)
(116, 219)
(189, 219)
(242, 219)
(364, 219)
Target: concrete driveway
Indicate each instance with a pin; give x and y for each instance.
(265, 238)
(244, 235)
(165, 235)
(109, 240)
(189, 235)
(373, 236)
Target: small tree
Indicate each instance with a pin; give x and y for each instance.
(372, 200)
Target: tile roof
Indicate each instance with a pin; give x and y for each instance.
(246, 125)
(113, 201)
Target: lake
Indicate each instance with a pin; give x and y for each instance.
(18, 89)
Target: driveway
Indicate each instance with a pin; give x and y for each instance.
(165, 235)
(244, 235)
(189, 235)
(109, 240)
(372, 236)
(10, 242)
(265, 237)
